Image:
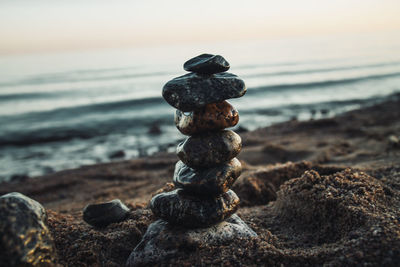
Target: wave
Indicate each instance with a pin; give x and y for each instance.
(38, 95)
(82, 130)
(131, 104)
(318, 105)
(319, 84)
(317, 70)
(80, 76)
(8, 97)
(286, 63)
(56, 79)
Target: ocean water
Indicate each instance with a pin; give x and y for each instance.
(67, 109)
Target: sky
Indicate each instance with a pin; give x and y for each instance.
(46, 25)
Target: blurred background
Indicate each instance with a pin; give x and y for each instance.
(81, 81)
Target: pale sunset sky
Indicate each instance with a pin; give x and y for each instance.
(49, 25)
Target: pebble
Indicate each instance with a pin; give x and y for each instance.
(25, 238)
(206, 64)
(207, 181)
(155, 129)
(394, 141)
(163, 241)
(19, 178)
(103, 214)
(193, 91)
(209, 149)
(180, 208)
(212, 117)
(117, 154)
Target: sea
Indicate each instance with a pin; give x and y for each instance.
(62, 110)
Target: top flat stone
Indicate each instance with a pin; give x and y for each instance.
(193, 91)
(206, 64)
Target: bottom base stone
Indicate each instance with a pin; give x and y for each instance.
(162, 241)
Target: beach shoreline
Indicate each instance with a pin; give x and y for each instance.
(361, 147)
(90, 107)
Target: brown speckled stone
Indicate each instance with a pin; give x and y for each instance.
(209, 149)
(207, 181)
(180, 208)
(216, 116)
(25, 239)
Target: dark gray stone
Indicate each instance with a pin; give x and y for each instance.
(102, 214)
(117, 154)
(193, 91)
(207, 64)
(209, 149)
(207, 181)
(24, 236)
(163, 241)
(180, 208)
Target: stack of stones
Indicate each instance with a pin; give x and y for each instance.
(203, 206)
(207, 167)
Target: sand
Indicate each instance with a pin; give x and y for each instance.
(320, 192)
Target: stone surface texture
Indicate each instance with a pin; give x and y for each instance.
(103, 214)
(209, 149)
(25, 238)
(207, 181)
(163, 241)
(206, 64)
(182, 208)
(193, 91)
(212, 117)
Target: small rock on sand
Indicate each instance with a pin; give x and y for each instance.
(103, 214)
(117, 154)
(394, 141)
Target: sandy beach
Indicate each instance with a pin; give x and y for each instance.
(319, 192)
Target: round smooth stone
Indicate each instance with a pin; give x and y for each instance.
(207, 181)
(193, 91)
(103, 214)
(216, 116)
(187, 210)
(206, 64)
(209, 149)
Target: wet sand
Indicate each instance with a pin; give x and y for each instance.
(316, 192)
